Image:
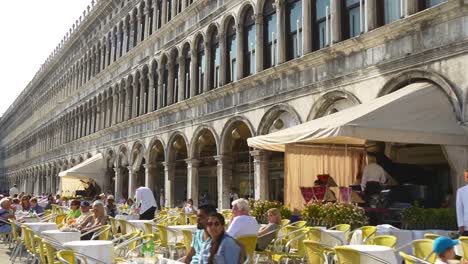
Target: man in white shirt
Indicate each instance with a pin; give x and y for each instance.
(462, 206)
(242, 223)
(14, 190)
(144, 200)
(372, 173)
(85, 212)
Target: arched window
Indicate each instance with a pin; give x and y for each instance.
(200, 70)
(249, 42)
(352, 18)
(158, 13)
(155, 74)
(115, 40)
(142, 20)
(150, 14)
(175, 76)
(188, 61)
(135, 27)
(293, 29)
(127, 33)
(104, 47)
(270, 34)
(231, 52)
(121, 39)
(321, 23)
(215, 60)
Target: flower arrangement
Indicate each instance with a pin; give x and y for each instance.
(259, 208)
(330, 214)
(416, 217)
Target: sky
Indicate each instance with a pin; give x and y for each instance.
(30, 30)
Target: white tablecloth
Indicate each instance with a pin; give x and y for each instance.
(174, 233)
(99, 249)
(381, 252)
(38, 227)
(127, 217)
(26, 219)
(61, 237)
(333, 237)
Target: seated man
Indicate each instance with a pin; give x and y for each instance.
(242, 223)
(444, 248)
(85, 212)
(201, 238)
(5, 214)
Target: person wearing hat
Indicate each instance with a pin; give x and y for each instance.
(444, 248)
(85, 212)
(111, 208)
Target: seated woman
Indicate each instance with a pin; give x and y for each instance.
(266, 234)
(189, 208)
(98, 218)
(111, 208)
(36, 207)
(223, 248)
(75, 211)
(5, 214)
(129, 203)
(25, 205)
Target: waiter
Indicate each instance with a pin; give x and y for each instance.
(462, 206)
(373, 177)
(144, 200)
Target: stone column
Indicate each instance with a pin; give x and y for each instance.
(193, 73)
(104, 55)
(240, 52)
(259, 47)
(169, 175)
(98, 115)
(113, 46)
(155, 16)
(142, 95)
(119, 42)
(371, 10)
(223, 59)
(149, 175)
(336, 20)
(135, 98)
(174, 8)
(93, 119)
(163, 13)
(224, 176)
(181, 78)
(192, 180)
(281, 30)
(115, 107)
(139, 28)
(306, 26)
(170, 82)
(118, 183)
(147, 22)
(160, 87)
(131, 182)
(128, 104)
(125, 37)
(208, 68)
(132, 33)
(261, 172)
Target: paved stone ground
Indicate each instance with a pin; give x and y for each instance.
(5, 254)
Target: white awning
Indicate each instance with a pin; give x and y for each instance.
(420, 113)
(91, 168)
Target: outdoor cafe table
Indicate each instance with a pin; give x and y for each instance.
(61, 237)
(38, 227)
(385, 253)
(102, 250)
(333, 237)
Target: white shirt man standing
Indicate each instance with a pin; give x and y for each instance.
(242, 223)
(372, 172)
(14, 190)
(462, 206)
(145, 202)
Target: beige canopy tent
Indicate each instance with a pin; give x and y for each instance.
(86, 172)
(419, 113)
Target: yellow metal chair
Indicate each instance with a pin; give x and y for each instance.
(114, 228)
(294, 247)
(431, 236)
(285, 222)
(16, 240)
(385, 240)
(249, 242)
(341, 227)
(422, 248)
(192, 219)
(50, 252)
(122, 226)
(464, 245)
(99, 233)
(408, 259)
(368, 233)
(316, 252)
(164, 241)
(66, 256)
(299, 224)
(40, 249)
(347, 255)
(314, 234)
(59, 218)
(187, 241)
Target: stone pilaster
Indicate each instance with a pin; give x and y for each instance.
(118, 183)
(224, 176)
(281, 37)
(259, 47)
(169, 174)
(192, 180)
(131, 182)
(261, 171)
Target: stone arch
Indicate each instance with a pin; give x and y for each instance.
(122, 159)
(273, 113)
(172, 140)
(226, 21)
(109, 157)
(327, 100)
(137, 154)
(155, 143)
(228, 129)
(195, 138)
(245, 5)
(417, 75)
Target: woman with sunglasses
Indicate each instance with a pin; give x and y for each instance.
(223, 249)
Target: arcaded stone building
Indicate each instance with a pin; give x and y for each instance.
(169, 91)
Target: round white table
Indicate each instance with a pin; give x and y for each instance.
(101, 250)
(385, 253)
(38, 227)
(333, 237)
(61, 237)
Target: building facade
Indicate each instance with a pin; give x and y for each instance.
(169, 91)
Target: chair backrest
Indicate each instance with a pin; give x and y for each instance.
(162, 230)
(193, 219)
(249, 243)
(343, 227)
(314, 252)
(50, 252)
(14, 231)
(464, 245)
(368, 232)
(102, 233)
(347, 256)
(59, 218)
(66, 256)
(113, 224)
(188, 235)
(148, 228)
(40, 248)
(385, 240)
(431, 236)
(314, 234)
(123, 226)
(422, 248)
(285, 222)
(299, 224)
(26, 237)
(406, 258)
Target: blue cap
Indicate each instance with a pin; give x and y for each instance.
(85, 203)
(443, 243)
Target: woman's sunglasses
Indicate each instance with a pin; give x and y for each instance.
(216, 224)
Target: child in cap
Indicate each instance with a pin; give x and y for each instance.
(444, 248)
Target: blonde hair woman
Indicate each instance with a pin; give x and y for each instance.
(266, 234)
(98, 218)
